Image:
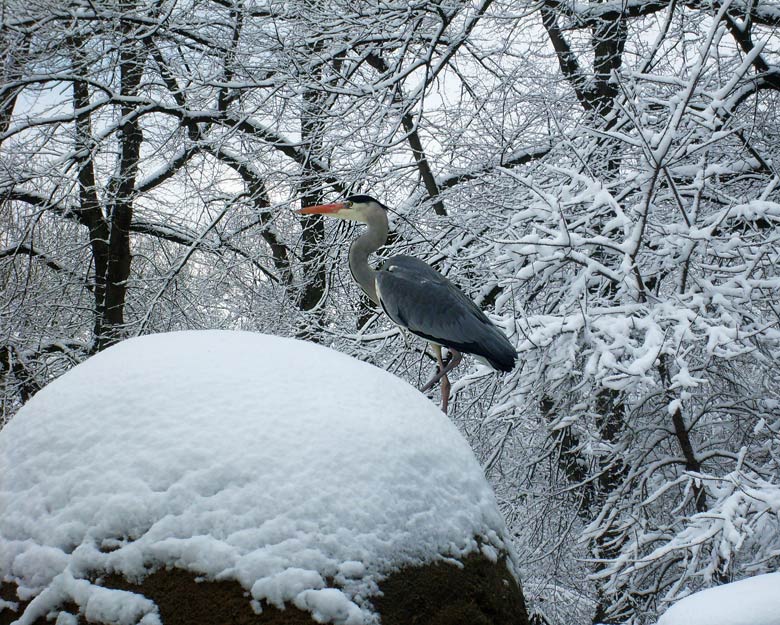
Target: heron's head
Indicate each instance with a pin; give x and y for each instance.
(354, 208)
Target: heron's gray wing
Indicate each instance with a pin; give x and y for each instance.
(417, 297)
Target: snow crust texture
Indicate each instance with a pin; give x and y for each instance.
(752, 601)
(277, 463)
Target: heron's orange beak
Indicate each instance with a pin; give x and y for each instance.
(323, 209)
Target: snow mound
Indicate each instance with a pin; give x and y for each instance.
(280, 464)
(752, 601)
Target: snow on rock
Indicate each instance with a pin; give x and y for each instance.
(276, 463)
(752, 601)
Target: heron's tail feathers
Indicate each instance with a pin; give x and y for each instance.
(504, 357)
(495, 349)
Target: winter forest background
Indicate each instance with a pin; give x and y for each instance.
(602, 177)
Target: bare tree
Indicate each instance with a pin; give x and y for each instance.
(633, 349)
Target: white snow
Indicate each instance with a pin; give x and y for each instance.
(269, 461)
(752, 601)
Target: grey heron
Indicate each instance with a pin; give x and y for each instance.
(417, 297)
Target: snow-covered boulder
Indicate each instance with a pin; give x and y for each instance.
(230, 477)
(751, 601)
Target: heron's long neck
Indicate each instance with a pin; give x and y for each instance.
(365, 245)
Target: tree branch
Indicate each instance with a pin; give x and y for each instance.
(379, 64)
(28, 250)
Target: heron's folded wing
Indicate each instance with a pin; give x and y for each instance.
(417, 297)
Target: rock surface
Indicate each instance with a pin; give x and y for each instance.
(283, 476)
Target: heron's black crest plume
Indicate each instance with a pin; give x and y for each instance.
(365, 199)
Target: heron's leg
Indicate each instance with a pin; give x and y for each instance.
(442, 376)
(437, 376)
(455, 359)
(444, 381)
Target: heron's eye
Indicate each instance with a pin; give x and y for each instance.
(347, 204)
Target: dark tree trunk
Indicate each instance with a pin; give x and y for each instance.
(132, 58)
